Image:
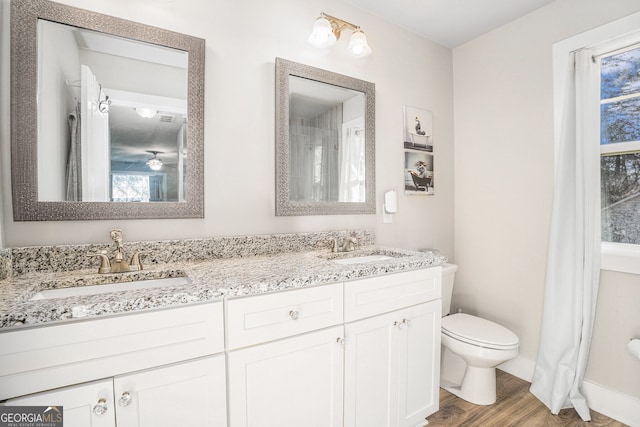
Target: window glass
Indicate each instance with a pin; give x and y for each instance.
(620, 165)
(130, 188)
(620, 74)
(620, 198)
(620, 121)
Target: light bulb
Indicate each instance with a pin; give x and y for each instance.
(322, 35)
(358, 45)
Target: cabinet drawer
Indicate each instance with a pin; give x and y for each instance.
(262, 318)
(54, 356)
(368, 297)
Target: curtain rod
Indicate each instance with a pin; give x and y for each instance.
(624, 48)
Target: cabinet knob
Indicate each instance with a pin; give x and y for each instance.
(341, 341)
(100, 407)
(400, 325)
(406, 321)
(294, 314)
(125, 399)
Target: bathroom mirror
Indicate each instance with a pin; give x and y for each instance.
(325, 142)
(107, 117)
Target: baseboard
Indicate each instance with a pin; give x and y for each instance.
(520, 367)
(611, 403)
(608, 402)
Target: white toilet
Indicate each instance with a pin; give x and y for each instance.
(472, 347)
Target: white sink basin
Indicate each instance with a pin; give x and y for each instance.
(361, 259)
(111, 287)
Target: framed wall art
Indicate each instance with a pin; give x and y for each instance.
(418, 129)
(418, 173)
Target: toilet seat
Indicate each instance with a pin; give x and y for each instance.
(479, 332)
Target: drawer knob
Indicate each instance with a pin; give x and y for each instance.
(125, 399)
(399, 325)
(100, 407)
(294, 314)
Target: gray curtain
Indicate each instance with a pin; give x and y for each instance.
(74, 159)
(156, 193)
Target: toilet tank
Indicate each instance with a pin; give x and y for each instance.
(448, 276)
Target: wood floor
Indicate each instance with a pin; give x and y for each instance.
(515, 406)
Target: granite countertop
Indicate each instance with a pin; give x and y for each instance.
(208, 281)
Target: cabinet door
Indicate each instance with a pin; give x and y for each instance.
(292, 382)
(85, 405)
(392, 368)
(371, 358)
(185, 394)
(419, 363)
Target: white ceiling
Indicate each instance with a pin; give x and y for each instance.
(450, 23)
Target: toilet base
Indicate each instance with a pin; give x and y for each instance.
(478, 386)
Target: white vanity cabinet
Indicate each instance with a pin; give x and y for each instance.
(286, 358)
(363, 353)
(190, 394)
(156, 368)
(289, 366)
(392, 359)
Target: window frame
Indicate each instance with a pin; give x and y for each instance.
(619, 256)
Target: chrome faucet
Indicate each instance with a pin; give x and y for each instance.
(348, 244)
(119, 263)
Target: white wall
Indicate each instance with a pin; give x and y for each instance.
(132, 75)
(5, 106)
(242, 39)
(58, 98)
(504, 148)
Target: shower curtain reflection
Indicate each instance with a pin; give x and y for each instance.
(314, 157)
(74, 158)
(352, 161)
(156, 188)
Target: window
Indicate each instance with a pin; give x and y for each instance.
(620, 115)
(138, 187)
(620, 146)
(129, 188)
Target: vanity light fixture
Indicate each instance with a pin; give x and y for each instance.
(154, 163)
(147, 113)
(327, 29)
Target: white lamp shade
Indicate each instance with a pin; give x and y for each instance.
(155, 164)
(322, 35)
(358, 45)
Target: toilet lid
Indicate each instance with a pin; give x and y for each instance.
(478, 331)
